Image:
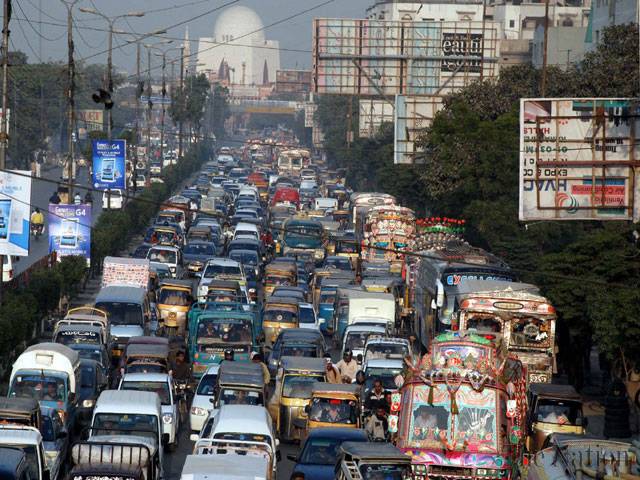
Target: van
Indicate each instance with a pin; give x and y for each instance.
(112, 199)
(129, 314)
(123, 414)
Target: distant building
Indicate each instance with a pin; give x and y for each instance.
(238, 52)
(412, 11)
(293, 81)
(605, 13)
(565, 46)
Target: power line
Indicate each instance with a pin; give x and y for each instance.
(34, 29)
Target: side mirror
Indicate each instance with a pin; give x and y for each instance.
(46, 474)
(307, 409)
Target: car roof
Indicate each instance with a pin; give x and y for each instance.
(146, 377)
(374, 450)
(342, 433)
(222, 261)
(243, 418)
(303, 364)
(113, 401)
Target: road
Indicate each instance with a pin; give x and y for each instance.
(41, 190)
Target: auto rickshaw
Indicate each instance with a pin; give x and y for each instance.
(224, 291)
(332, 405)
(20, 411)
(370, 460)
(174, 300)
(294, 380)
(277, 274)
(553, 409)
(279, 313)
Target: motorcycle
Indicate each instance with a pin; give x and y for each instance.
(37, 229)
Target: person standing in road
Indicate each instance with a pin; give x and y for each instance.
(257, 358)
(347, 367)
(331, 372)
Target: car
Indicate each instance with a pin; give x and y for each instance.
(196, 253)
(318, 456)
(55, 440)
(112, 199)
(223, 269)
(201, 404)
(341, 263)
(308, 317)
(307, 342)
(162, 384)
(141, 251)
(92, 381)
(168, 255)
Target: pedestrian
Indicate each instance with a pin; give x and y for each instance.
(257, 358)
(55, 199)
(331, 372)
(348, 367)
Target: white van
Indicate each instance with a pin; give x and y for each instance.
(372, 307)
(246, 229)
(239, 424)
(112, 199)
(126, 416)
(323, 203)
(235, 465)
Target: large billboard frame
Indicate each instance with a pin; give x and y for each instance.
(412, 115)
(579, 159)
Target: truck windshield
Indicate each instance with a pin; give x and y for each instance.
(122, 313)
(39, 386)
(125, 424)
(224, 331)
(161, 388)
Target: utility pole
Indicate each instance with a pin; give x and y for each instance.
(543, 88)
(164, 108)
(70, 96)
(183, 105)
(150, 105)
(4, 127)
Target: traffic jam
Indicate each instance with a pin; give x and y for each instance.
(273, 315)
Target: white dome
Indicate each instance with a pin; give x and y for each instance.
(235, 22)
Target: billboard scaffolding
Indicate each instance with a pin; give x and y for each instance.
(412, 115)
(372, 114)
(579, 159)
(378, 58)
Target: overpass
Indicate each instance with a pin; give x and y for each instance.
(272, 107)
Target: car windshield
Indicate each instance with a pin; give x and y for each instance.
(246, 258)
(299, 386)
(161, 388)
(199, 249)
(356, 340)
(383, 472)
(280, 316)
(39, 386)
(560, 412)
(230, 396)
(162, 255)
(31, 454)
(320, 451)
(170, 296)
(207, 385)
(122, 313)
(307, 316)
(382, 350)
(214, 269)
(333, 410)
(125, 424)
(224, 331)
(298, 351)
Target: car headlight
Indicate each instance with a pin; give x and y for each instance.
(198, 411)
(88, 403)
(167, 418)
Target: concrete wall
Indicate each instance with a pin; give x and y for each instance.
(611, 12)
(565, 45)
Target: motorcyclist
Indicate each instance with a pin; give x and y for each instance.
(181, 368)
(37, 219)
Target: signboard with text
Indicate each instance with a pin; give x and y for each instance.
(109, 158)
(90, 119)
(70, 230)
(579, 159)
(15, 212)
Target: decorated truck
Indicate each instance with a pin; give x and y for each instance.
(388, 229)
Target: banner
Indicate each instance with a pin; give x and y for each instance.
(70, 230)
(15, 212)
(90, 119)
(109, 164)
(578, 159)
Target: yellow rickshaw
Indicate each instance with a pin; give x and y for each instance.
(279, 313)
(553, 409)
(294, 381)
(279, 273)
(331, 405)
(174, 300)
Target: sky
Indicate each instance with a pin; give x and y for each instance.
(38, 27)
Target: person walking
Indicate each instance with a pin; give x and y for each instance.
(348, 367)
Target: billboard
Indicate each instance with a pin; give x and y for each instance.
(578, 159)
(372, 114)
(90, 119)
(15, 212)
(293, 81)
(309, 112)
(70, 230)
(412, 115)
(377, 57)
(109, 164)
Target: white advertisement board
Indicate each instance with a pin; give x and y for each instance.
(578, 159)
(373, 113)
(411, 116)
(309, 111)
(15, 212)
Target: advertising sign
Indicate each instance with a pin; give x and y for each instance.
(309, 111)
(373, 113)
(109, 164)
(578, 159)
(90, 119)
(15, 212)
(70, 230)
(377, 57)
(411, 116)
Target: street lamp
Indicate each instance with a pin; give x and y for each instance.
(111, 21)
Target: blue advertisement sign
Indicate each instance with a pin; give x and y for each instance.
(109, 159)
(15, 212)
(70, 230)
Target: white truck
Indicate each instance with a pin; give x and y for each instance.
(372, 307)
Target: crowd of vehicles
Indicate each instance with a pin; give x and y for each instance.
(228, 318)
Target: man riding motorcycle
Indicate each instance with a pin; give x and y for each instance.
(37, 222)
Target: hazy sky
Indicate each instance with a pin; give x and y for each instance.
(38, 27)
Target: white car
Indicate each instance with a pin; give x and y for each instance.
(112, 199)
(162, 384)
(308, 316)
(201, 404)
(222, 269)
